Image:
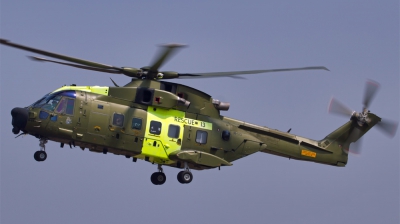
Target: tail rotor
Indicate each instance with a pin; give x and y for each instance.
(361, 120)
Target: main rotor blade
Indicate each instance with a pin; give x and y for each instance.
(223, 74)
(389, 128)
(336, 107)
(370, 90)
(59, 56)
(76, 66)
(167, 52)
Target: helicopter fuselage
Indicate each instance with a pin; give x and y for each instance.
(164, 123)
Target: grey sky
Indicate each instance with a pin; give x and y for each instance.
(356, 40)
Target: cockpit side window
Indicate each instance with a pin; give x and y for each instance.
(70, 107)
(62, 105)
(66, 106)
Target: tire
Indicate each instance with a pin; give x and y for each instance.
(153, 178)
(35, 156)
(158, 178)
(41, 155)
(161, 178)
(179, 177)
(185, 176)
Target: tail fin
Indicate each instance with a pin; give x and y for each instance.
(349, 133)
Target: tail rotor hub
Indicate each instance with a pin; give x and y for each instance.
(362, 118)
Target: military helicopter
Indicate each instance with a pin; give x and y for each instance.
(171, 124)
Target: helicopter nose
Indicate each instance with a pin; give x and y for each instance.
(19, 119)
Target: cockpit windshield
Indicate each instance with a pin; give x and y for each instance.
(50, 101)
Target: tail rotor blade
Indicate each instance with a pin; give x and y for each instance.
(370, 90)
(336, 107)
(355, 147)
(354, 140)
(389, 128)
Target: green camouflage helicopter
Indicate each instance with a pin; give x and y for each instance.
(172, 124)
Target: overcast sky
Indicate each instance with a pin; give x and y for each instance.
(356, 40)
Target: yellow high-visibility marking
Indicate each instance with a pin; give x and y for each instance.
(308, 153)
(160, 146)
(102, 90)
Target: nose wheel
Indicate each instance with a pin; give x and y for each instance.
(41, 155)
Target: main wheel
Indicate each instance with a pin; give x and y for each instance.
(153, 178)
(158, 178)
(40, 156)
(35, 156)
(185, 177)
(161, 178)
(179, 177)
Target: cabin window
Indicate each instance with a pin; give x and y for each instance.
(118, 120)
(137, 123)
(201, 137)
(173, 131)
(155, 127)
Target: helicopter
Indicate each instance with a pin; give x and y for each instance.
(174, 125)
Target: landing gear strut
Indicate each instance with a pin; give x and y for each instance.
(185, 176)
(158, 178)
(41, 155)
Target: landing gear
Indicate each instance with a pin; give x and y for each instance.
(185, 177)
(41, 155)
(158, 178)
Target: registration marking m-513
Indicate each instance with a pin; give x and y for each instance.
(194, 123)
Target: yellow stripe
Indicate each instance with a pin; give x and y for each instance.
(102, 90)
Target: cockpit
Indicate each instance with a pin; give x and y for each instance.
(59, 102)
